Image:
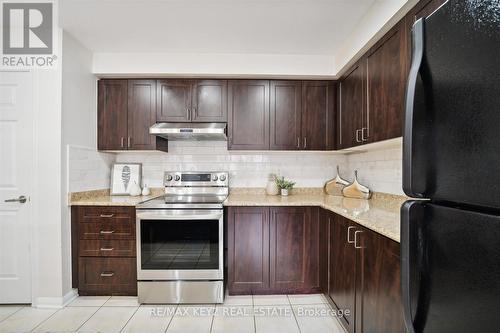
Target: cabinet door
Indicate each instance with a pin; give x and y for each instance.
(174, 100)
(318, 107)
(248, 249)
(248, 114)
(378, 286)
(285, 113)
(210, 101)
(386, 86)
(352, 106)
(112, 115)
(343, 269)
(141, 114)
(294, 249)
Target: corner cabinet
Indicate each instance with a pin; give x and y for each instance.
(126, 109)
(364, 277)
(273, 250)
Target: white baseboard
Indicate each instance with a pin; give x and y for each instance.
(55, 302)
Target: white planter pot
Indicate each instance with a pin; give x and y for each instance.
(284, 192)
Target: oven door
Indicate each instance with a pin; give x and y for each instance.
(180, 244)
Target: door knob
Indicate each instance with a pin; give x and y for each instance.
(21, 199)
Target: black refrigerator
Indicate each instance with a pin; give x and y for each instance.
(450, 240)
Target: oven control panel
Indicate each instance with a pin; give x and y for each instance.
(175, 178)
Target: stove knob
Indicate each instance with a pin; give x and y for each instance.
(177, 177)
(169, 178)
(222, 177)
(215, 178)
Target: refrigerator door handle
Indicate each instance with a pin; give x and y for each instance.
(417, 56)
(413, 309)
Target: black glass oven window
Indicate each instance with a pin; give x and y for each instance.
(199, 177)
(179, 244)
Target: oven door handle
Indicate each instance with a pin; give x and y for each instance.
(178, 214)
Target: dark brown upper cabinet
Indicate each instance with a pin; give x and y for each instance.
(141, 114)
(174, 100)
(318, 115)
(286, 114)
(112, 130)
(386, 68)
(248, 114)
(126, 109)
(192, 100)
(209, 101)
(352, 107)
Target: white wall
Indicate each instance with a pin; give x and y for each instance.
(78, 137)
(247, 169)
(227, 65)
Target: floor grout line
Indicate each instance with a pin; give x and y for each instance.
(253, 311)
(13, 313)
(171, 318)
(43, 321)
(133, 314)
(98, 308)
(293, 314)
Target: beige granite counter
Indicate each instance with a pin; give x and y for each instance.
(103, 198)
(380, 214)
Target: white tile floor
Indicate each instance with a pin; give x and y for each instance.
(241, 314)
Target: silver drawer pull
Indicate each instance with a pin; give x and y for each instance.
(107, 249)
(107, 215)
(107, 232)
(356, 240)
(349, 234)
(107, 274)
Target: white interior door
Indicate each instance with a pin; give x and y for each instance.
(16, 168)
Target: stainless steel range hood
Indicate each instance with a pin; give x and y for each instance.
(190, 131)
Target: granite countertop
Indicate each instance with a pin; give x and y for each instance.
(381, 213)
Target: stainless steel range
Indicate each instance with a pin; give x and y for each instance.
(180, 240)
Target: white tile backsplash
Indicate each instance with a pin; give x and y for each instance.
(88, 169)
(380, 170)
(246, 169)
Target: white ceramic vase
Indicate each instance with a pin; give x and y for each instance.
(284, 192)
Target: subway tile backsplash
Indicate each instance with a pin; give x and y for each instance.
(246, 169)
(379, 169)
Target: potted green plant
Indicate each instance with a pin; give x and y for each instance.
(284, 185)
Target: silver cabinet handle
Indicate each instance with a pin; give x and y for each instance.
(20, 199)
(107, 274)
(363, 138)
(129, 139)
(107, 232)
(107, 215)
(305, 142)
(122, 142)
(357, 135)
(188, 114)
(107, 249)
(298, 142)
(195, 111)
(349, 234)
(356, 239)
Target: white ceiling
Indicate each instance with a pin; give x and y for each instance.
(294, 27)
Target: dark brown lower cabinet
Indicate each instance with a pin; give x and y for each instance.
(378, 284)
(273, 250)
(104, 250)
(364, 277)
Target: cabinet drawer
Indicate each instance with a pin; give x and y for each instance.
(107, 248)
(107, 276)
(107, 229)
(91, 213)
